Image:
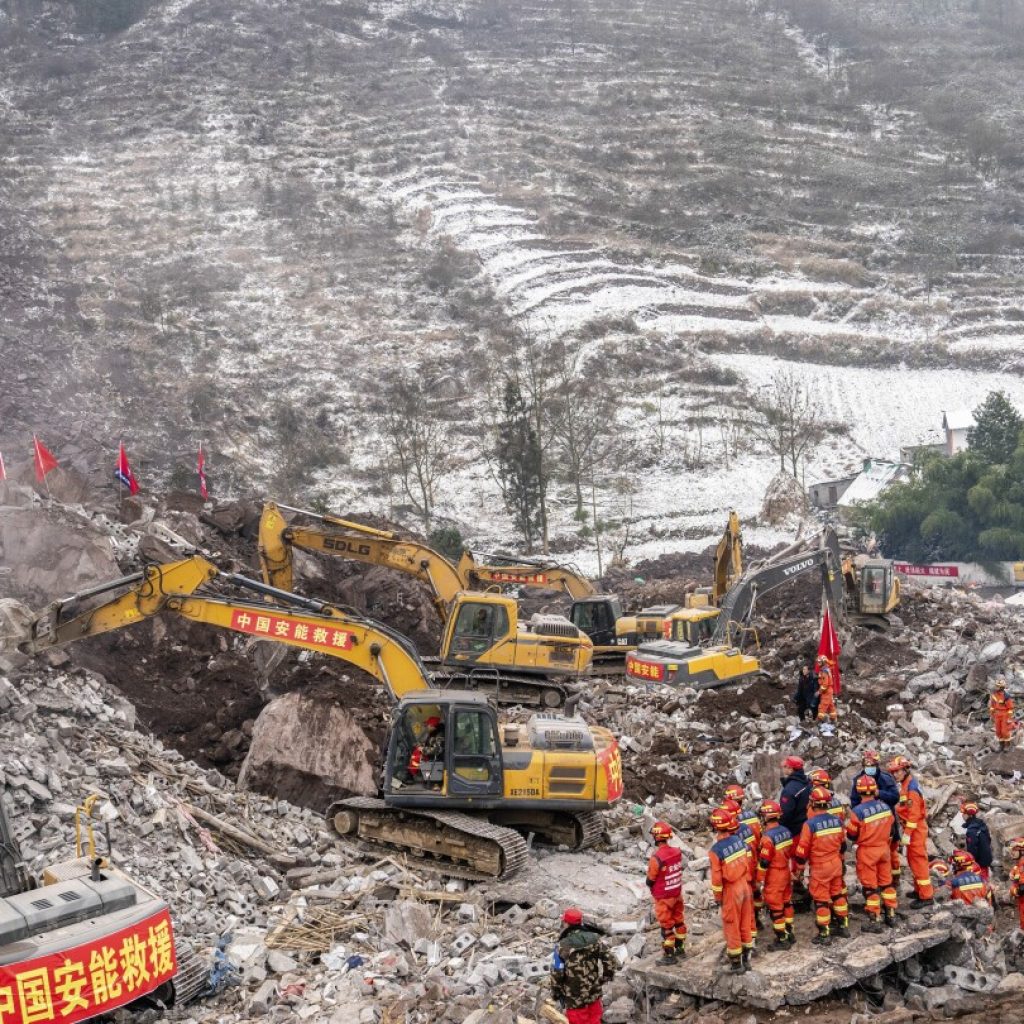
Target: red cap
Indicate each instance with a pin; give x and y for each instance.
(794, 762)
(433, 722)
(572, 915)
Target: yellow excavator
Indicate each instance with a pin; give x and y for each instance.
(596, 616)
(483, 782)
(483, 635)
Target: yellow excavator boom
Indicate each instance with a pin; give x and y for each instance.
(531, 575)
(728, 559)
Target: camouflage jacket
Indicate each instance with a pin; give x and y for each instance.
(581, 965)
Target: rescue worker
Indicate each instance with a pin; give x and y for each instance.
(774, 881)
(913, 816)
(665, 880)
(820, 846)
(430, 749)
(870, 827)
(966, 885)
(750, 831)
(806, 695)
(978, 841)
(1017, 877)
(888, 793)
(729, 858)
(796, 788)
(827, 710)
(820, 777)
(1000, 709)
(580, 967)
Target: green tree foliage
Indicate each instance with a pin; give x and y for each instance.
(518, 456)
(448, 540)
(967, 508)
(997, 428)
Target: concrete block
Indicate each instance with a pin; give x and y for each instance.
(536, 969)
(490, 940)
(462, 943)
(515, 915)
(624, 927)
(468, 912)
(970, 980)
(266, 888)
(265, 997)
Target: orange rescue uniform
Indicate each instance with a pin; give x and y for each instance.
(775, 875)
(1000, 708)
(730, 884)
(665, 880)
(913, 817)
(1017, 890)
(821, 845)
(968, 887)
(870, 826)
(826, 695)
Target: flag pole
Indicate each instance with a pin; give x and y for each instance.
(120, 482)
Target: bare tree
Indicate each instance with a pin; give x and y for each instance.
(412, 408)
(789, 420)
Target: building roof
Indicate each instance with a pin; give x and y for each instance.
(875, 477)
(957, 419)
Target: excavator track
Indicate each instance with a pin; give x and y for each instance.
(464, 846)
(192, 978)
(505, 688)
(591, 825)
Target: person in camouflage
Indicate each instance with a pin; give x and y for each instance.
(581, 966)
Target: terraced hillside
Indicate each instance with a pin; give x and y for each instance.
(243, 223)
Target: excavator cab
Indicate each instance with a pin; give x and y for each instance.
(693, 626)
(597, 616)
(878, 589)
(458, 759)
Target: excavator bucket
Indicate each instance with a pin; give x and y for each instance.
(15, 624)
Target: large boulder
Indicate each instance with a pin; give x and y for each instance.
(309, 751)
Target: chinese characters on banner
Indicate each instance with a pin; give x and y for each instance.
(96, 977)
(535, 578)
(644, 669)
(280, 627)
(926, 570)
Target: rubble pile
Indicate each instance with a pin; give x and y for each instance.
(312, 927)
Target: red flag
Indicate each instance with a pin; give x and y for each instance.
(3, 468)
(44, 460)
(828, 647)
(124, 472)
(202, 475)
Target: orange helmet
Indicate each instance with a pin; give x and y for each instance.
(735, 792)
(770, 810)
(731, 805)
(867, 786)
(724, 820)
(940, 868)
(961, 860)
(820, 797)
(661, 831)
(871, 757)
(900, 763)
(1017, 846)
(968, 808)
(820, 777)
(433, 722)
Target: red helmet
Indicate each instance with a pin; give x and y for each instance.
(820, 797)
(572, 915)
(867, 786)
(961, 860)
(661, 831)
(770, 810)
(794, 763)
(735, 792)
(433, 722)
(820, 777)
(731, 805)
(724, 820)
(1017, 846)
(968, 808)
(871, 757)
(940, 868)
(900, 763)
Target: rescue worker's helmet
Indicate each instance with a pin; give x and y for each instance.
(572, 915)
(731, 805)
(433, 722)
(735, 792)
(999, 684)
(961, 860)
(793, 763)
(900, 763)
(820, 797)
(867, 786)
(871, 757)
(1017, 846)
(940, 868)
(968, 808)
(820, 777)
(661, 831)
(770, 810)
(724, 820)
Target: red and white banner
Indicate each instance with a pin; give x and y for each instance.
(88, 980)
(828, 648)
(906, 569)
(305, 633)
(637, 668)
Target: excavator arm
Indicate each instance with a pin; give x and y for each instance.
(528, 573)
(354, 541)
(738, 605)
(292, 620)
(728, 559)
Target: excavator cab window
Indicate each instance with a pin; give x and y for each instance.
(875, 583)
(478, 627)
(596, 619)
(418, 749)
(476, 757)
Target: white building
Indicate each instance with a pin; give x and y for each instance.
(956, 423)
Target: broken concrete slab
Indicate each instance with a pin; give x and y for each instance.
(800, 975)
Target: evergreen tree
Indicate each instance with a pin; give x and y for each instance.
(519, 464)
(996, 431)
